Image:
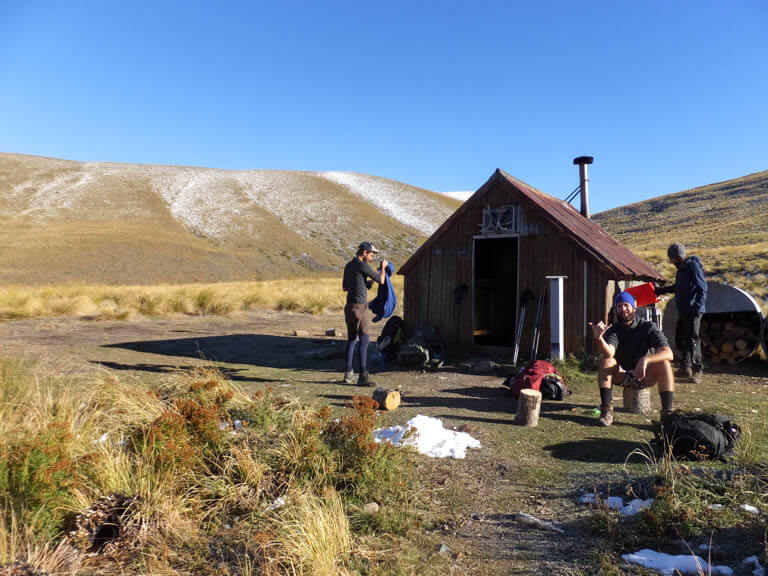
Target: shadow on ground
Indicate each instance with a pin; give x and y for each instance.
(229, 373)
(607, 450)
(254, 349)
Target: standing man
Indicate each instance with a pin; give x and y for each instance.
(358, 278)
(690, 290)
(635, 353)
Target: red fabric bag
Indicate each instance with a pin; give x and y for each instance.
(531, 376)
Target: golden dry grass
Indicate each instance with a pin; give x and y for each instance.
(311, 295)
(66, 443)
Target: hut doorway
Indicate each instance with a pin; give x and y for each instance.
(494, 290)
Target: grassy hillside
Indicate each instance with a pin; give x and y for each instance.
(64, 221)
(725, 224)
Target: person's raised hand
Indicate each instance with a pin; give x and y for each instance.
(598, 329)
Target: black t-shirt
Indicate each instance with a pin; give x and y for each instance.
(354, 283)
(635, 341)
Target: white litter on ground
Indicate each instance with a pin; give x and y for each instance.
(634, 506)
(749, 508)
(278, 503)
(667, 564)
(759, 569)
(429, 437)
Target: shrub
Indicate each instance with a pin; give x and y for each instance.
(38, 476)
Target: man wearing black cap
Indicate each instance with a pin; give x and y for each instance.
(358, 278)
(690, 289)
(635, 353)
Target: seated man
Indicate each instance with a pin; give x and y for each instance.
(635, 353)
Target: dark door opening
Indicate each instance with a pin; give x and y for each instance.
(495, 297)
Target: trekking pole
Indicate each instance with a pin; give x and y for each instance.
(524, 300)
(537, 326)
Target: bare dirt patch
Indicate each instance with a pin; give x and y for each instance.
(469, 505)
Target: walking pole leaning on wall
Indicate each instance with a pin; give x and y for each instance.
(537, 325)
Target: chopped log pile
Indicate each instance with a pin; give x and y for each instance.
(728, 338)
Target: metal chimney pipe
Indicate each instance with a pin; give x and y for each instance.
(582, 162)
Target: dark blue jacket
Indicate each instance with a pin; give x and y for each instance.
(384, 303)
(690, 287)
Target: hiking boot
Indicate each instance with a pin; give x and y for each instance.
(365, 380)
(606, 416)
(349, 377)
(696, 377)
(684, 373)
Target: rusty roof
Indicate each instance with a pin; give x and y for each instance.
(618, 260)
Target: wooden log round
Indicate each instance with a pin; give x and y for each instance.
(637, 401)
(528, 408)
(386, 398)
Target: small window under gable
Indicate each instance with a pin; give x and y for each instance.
(510, 219)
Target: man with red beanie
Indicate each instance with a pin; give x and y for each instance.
(635, 353)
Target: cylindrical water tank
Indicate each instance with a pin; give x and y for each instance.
(730, 328)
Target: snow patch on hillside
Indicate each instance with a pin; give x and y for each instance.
(44, 198)
(416, 211)
(461, 196)
(217, 204)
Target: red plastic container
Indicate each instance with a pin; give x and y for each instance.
(643, 294)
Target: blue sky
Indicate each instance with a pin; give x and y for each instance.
(666, 95)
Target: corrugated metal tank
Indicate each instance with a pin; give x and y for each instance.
(733, 319)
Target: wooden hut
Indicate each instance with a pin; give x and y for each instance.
(467, 278)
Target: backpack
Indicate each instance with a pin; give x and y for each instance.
(413, 354)
(698, 436)
(553, 387)
(391, 335)
(533, 375)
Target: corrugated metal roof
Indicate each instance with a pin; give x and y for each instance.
(601, 247)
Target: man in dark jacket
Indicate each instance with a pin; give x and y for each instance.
(690, 289)
(358, 278)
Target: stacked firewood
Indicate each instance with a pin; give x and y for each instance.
(730, 337)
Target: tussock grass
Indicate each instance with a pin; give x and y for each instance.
(313, 535)
(199, 461)
(312, 296)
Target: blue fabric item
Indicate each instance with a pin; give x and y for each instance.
(384, 304)
(624, 297)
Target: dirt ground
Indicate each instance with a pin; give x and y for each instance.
(472, 502)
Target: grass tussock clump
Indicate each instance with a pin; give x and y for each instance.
(722, 506)
(314, 296)
(193, 476)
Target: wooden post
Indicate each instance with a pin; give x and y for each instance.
(387, 399)
(637, 401)
(528, 407)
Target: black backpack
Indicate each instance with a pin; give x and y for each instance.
(553, 387)
(698, 436)
(391, 336)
